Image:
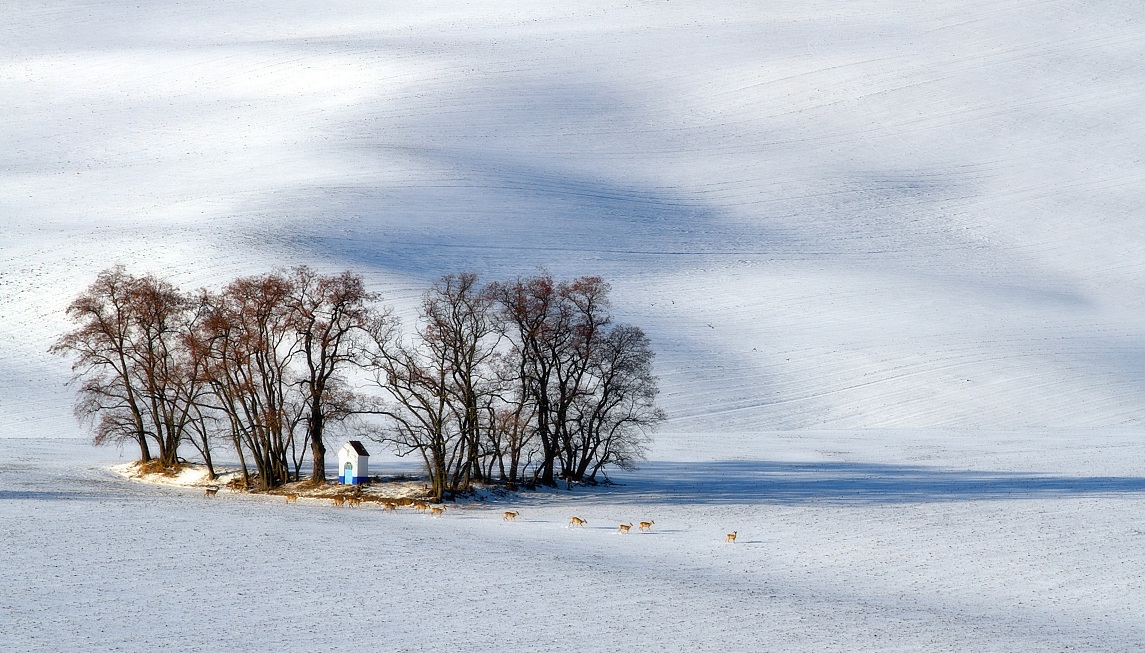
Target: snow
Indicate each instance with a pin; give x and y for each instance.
(866, 215)
(835, 552)
(187, 476)
(888, 254)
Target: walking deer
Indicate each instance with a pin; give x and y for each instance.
(510, 515)
(436, 511)
(577, 521)
(646, 525)
(624, 528)
(211, 491)
(291, 498)
(420, 506)
(731, 537)
(339, 501)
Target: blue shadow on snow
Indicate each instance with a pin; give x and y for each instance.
(725, 482)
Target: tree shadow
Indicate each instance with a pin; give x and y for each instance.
(783, 483)
(50, 495)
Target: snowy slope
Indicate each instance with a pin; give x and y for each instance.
(877, 553)
(888, 252)
(827, 215)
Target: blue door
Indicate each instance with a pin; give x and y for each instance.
(348, 474)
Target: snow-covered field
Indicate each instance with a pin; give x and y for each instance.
(889, 254)
(913, 541)
(827, 215)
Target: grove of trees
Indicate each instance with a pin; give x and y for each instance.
(522, 381)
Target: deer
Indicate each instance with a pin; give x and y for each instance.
(339, 501)
(211, 491)
(646, 525)
(624, 528)
(420, 506)
(291, 497)
(389, 505)
(577, 521)
(731, 537)
(355, 501)
(510, 515)
(437, 511)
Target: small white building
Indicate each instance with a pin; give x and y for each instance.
(353, 463)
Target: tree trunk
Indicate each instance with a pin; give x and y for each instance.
(169, 455)
(144, 452)
(316, 425)
(211, 475)
(242, 459)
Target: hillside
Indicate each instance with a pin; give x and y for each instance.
(827, 215)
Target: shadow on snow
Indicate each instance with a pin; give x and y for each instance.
(729, 482)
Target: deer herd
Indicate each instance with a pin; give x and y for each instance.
(354, 500)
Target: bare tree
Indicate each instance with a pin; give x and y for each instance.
(164, 368)
(328, 314)
(130, 353)
(584, 386)
(528, 377)
(101, 343)
(458, 327)
(414, 378)
(203, 429)
(511, 441)
(584, 317)
(208, 422)
(613, 416)
(439, 387)
(529, 317)
(554, 328)
(249, 341)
